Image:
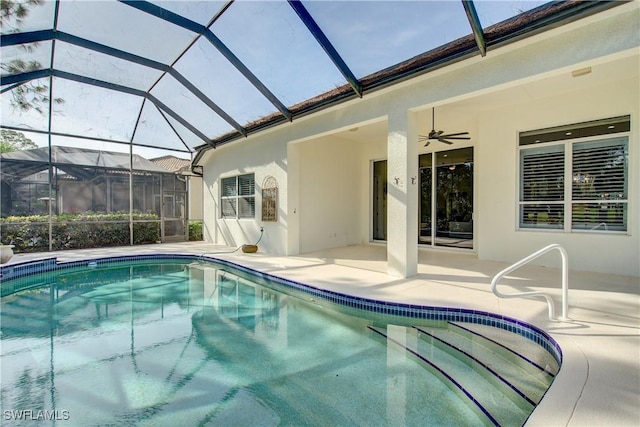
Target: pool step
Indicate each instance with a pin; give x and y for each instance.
(529, 354)
(504, 392)
(524, 374)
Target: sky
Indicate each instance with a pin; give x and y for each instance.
(267, 36)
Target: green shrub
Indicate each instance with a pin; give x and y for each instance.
(78, 231)
(195, 231)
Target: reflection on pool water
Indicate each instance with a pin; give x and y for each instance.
(187, 342)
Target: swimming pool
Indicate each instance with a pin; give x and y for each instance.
(177, 340)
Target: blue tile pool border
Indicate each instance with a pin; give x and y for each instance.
(11, 272)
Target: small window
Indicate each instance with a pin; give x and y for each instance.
(237, 197)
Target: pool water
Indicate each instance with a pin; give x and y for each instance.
(199, 343)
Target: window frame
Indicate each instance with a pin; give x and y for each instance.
(237, 197)
(568, 201)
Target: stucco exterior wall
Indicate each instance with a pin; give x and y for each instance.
(329, 204)
(195, 198)
(497, 180)
(263, 157)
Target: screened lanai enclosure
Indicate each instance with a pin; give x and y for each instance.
(94, 91)
(90, 198)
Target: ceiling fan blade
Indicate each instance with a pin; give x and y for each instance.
(455, 137)
(445, 141)
(423, 138)
(455, 134)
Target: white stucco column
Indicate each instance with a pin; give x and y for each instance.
(402, 194)
(293, 199)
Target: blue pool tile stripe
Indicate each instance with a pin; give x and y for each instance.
(481, 363)
(522, 356)
(26, 268)
(441, 371)
(450, 314)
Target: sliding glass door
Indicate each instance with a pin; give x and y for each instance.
(446, 198)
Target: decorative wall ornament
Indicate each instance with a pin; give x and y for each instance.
(269, 199)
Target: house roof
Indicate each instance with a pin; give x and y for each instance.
(18, 165)
(173, 163)
(187, 76)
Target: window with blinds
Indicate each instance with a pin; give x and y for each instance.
(599, 185)
(575, 184)
(542, 187)
(237, 197)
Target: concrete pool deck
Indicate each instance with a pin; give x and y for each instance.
(599, 382)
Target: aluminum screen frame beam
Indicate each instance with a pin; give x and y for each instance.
(476, 26)
(46, 35)
(164, 116)
(24, 77)
(13, 39)
(132, 91)
(90, 138)
(11, 87)
(18, 79)
(78, 41)
(326, 44)
(193, 26)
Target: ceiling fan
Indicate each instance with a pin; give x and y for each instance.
(439, 135)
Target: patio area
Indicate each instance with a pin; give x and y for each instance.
(599, 382)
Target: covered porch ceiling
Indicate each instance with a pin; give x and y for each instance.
(190, 75)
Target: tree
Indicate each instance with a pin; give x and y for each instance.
(11, 140)
(16, 10)
(33, 94)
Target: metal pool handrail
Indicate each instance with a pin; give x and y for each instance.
(565, 280)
